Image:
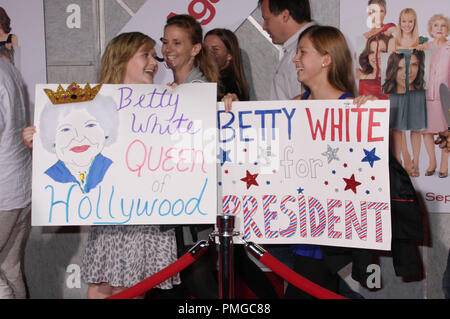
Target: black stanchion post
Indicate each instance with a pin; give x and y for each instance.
(225, 226)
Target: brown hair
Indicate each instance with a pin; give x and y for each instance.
(117, 54)
(390, 84)
(329, 40)
(5, 21)
(235, 69)
(204, 60)
(379, 2)
(366, 68)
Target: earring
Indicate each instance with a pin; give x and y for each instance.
(323, 65)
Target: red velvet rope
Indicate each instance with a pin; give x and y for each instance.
(297, 280)
(186, 260)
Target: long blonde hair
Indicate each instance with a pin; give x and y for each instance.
(415, 31)
(117, 54)
(329, 40)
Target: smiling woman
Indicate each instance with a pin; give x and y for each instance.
(77, 134)
(184, 51)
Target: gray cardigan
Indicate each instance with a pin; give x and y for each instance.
(195, 76)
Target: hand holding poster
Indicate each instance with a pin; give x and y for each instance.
(123, 154)
(307, 172)
(291, 171)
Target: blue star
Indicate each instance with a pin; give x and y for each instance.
(223, 156)
(370, 156)
(300, 190)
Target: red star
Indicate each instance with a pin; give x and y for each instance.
(250, 179)
(351, 183)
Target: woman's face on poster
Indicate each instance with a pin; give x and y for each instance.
(407, 23)
(401, 73)
(382, 48)
(439, 29)
(79, 139)
(376, 14)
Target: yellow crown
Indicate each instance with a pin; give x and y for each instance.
(73, 93)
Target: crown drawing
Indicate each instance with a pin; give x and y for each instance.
(74, 93)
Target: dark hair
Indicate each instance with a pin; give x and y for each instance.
(299, 10)
(204, 59)
(7, 53)
(390, 84)
(5, 21)
(419, 81)
(379, 2)
(366, 68)
(235, 69)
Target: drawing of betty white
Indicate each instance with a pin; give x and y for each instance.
(77, 132)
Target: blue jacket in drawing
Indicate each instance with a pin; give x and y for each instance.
(59, 173)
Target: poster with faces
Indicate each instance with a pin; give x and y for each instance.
(124, 154)
(375, 29)
(401, 52)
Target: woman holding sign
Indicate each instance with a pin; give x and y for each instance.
(117, 257)
(324, 67)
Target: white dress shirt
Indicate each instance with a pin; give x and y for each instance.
(285, 85)
(15, 157)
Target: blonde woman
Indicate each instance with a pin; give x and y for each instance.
(324, 67)
(119, 256)
(403, 103)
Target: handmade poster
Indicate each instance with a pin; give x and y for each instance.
(124, 154)
(403, 54)
(311, 172)
(152, 16)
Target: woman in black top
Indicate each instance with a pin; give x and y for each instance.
(224, 45)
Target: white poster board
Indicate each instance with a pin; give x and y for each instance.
(134, 154)
(312, 172)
